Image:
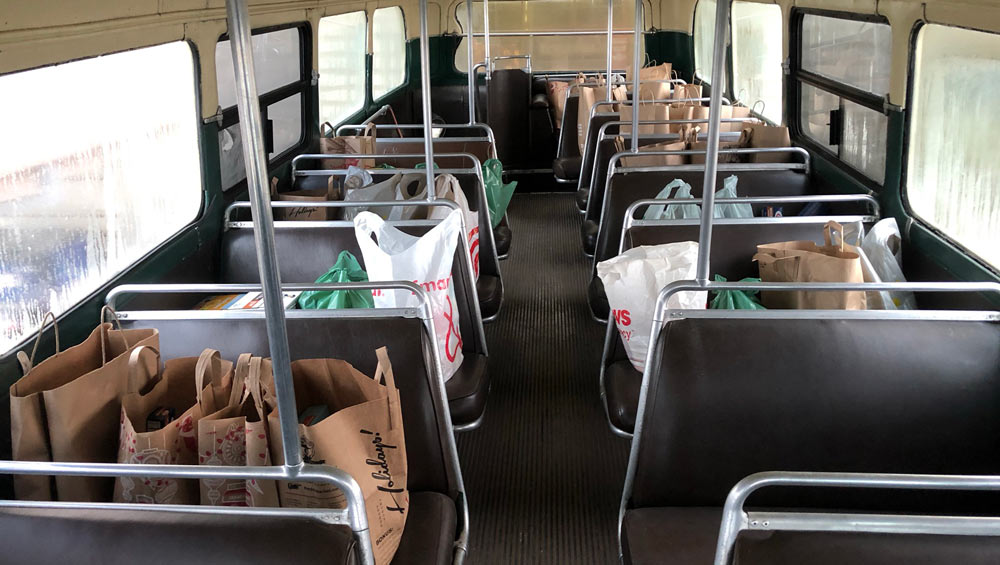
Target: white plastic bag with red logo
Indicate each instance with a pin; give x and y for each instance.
(448, 187)
(633, 281)
(424, 260)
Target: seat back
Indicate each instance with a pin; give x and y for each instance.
(624, 189)
(509, 98)
(732, 393)
(567, 146)
(324, 243)
(602, 117)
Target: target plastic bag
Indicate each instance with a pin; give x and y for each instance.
(447, 186)
(742, 210)
(633, 281)
(425, 260)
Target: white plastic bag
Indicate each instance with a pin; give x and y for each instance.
(357, 177)
(447, 186)
(731, 210)
(633, 281)
(883, 248)
(384, 191)
(426, 261)
(673, 211)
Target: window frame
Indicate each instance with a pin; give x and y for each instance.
(904, 200)
(370, 86)
(798, 76)
(228, 117)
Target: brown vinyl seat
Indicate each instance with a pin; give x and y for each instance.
(567, 168)
(503, 235)
(729, 397)
(239, 265)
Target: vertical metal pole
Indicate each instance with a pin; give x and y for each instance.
(248, 106)
(712, 151)
(469, 55)
(636, 65)
(610, 48)
(425, 100)
(486, 38)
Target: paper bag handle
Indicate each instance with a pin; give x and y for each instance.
(384, 373)
(133, 368)
(829, 229)
(209, 359)
(104, 333)
(370, 130)
(326, 127)
(28, 362)
(254, 387)
(274, 186)
(240, 379)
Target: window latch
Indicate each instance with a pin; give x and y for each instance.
(836, 124)
(268, 136)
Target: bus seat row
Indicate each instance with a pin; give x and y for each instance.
(727, 394)
(437, 523)
(467, 389)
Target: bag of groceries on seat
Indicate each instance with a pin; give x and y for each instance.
(447, 186)
(67, 408)
(425, 260)
(159, 420)
(306, 213)
(807, 262)
(363, 144)
(237, 436)
(354, 423)
(633, 281)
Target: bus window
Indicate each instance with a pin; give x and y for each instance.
(388, 51)
(842, 78)
(952, 173)
(704, 35)
(757, 75)
(100, 166)
(569, 52)
(342, 40)
(281, 84)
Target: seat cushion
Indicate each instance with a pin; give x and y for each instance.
(468, 390)
(598, 299)
(502, 236)
(582, 196)
(588, 233)
(490, 293)
(53, 536)
(621, 392)
(430, 532)
(861, 548)
(670, 536)
(567, 168)
(540, 101)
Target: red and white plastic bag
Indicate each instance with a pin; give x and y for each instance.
(424, 260)
(447, 186)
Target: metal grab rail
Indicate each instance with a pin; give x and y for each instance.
(389, 157)
(735, 518)
(631, 220)
(442, 202)
(804, 166)
(486, 128)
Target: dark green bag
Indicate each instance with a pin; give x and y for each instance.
(498, 194)
(735, 299)
(346, 269)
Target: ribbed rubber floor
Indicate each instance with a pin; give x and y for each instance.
(543, 473)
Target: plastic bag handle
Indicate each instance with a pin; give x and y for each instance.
(133, 367)
(383, 373)
(28, 362)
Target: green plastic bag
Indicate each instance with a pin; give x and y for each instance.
(498, 194)
(346, 269)
(735, 299)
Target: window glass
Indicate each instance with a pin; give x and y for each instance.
(388, 51)
(856, 53)
(84, 192)
(953, 173)
(757, 73)
(342, 40)
(863, 140)
(704, 36)
(277, 63)
(552, 53)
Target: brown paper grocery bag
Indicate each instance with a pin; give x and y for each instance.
(588, 96)
(654, 160)
(650, 85)
(67, 409)
(237, 435)
(189, 386)
(764, 135)
(363, 435)
(698, 143)
(650, 111)
(686, 91)
(332, 193)
(738, 111)
(363, 144)
(556, 91)
(807, 262)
